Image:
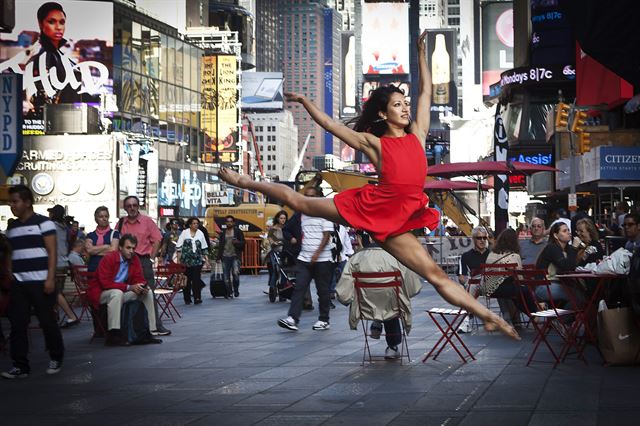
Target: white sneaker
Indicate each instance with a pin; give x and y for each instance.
(465, 327)
(391, 353)
(54, 367)
(321, 325)
(288, 323)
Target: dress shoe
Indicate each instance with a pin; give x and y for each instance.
(113, 340)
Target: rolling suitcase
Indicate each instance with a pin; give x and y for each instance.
(216, 282)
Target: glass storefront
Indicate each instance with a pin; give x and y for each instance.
(156, 81)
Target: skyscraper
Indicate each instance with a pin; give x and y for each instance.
(310, 42)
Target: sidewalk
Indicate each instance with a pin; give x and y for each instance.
(228, 363)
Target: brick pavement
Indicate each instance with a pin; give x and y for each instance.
(228, 363)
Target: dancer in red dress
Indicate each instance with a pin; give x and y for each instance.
(397, 204)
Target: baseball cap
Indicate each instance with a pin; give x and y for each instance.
(56, 210)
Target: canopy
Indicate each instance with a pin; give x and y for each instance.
(452, 185)
(484, 168)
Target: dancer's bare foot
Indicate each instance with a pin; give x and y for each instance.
(496, 323)
(233, 178)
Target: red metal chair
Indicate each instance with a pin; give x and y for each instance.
(81, 279)
(554, 319)
(380, 281)
(448, 321)
(169, 281)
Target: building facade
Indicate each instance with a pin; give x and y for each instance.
(277, 141)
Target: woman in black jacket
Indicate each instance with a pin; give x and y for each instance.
(556, 257)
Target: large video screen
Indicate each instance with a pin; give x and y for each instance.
(64, 52)
(262, 91)
(385, 38)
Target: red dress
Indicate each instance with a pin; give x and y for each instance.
(396, 204)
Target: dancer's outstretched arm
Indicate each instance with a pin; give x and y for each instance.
(362, 141)
(420, 125)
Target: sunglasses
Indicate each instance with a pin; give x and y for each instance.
(480, 238)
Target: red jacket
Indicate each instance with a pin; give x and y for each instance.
(105, 274)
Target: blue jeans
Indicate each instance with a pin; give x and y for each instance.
(336, 275)
(393, 332)
(274, 270)
(231, 273)
(321, 273)
(560, 295)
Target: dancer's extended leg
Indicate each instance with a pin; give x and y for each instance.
(318, 207)
(408, 250)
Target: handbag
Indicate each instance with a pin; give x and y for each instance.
(618, 336)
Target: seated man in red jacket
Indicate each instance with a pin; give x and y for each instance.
(119, 279)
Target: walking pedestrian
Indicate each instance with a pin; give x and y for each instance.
(230, 247)
(33, 241)
(192, 251)
(313, 263)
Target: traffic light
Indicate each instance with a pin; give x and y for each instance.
(577, 126)
(562, 115)
(584, 142)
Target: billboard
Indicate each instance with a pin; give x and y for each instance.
(219, 108)
(385, 38)
(77, 171)
(262, 91)
(65, 59)
(348, 102)
(185, 190)
(370, 86)
(441, 57)
(497, 42)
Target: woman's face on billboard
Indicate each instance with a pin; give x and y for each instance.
(53, 26)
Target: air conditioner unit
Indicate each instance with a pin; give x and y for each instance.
(71, 118)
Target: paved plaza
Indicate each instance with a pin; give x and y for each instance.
(228, 363)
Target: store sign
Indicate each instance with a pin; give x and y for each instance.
(64, 64)
(10, 121)
(619, 163)
(74, 171)
(533, 75)
(543, 156)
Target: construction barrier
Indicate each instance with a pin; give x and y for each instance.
(250, 260)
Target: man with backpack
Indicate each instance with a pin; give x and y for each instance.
(119, 279)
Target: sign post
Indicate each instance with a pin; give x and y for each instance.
(10, 122)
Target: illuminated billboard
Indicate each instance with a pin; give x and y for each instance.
(385, 38)
(262, 91)
(219, 108)
(441, 57)
(63, 56)
(497, 42)
(185, 190)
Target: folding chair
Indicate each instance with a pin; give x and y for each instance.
(449, 332)
(383, 281)
(553, 318)
(76, 294)
(168, 283)
(81, 278)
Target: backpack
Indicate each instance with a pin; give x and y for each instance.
(134, 324)
(336, 248)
